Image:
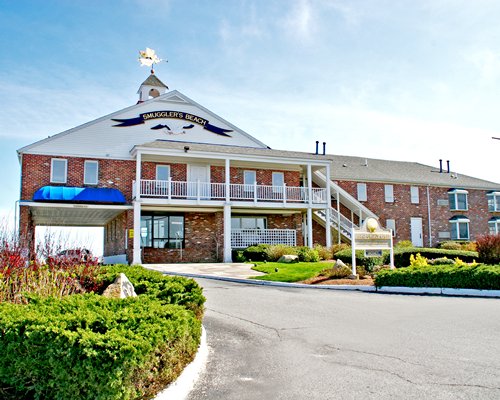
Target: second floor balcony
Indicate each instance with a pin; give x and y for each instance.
(209, 191)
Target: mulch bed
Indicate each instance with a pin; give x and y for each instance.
(319, 280)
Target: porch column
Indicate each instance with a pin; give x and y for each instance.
(328, 209)
(309, 207)
(227, 233)
(136, 259)
(228, 180)
(138, 177)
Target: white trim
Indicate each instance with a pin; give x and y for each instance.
(52, 170)
(70, 205)
(85, 163)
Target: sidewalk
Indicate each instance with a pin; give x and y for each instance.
(227, 270)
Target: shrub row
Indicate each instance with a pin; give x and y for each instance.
(444, 276)
(91, 347)
(266, 252)
(368, 262)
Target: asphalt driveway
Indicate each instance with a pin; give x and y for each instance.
(281, 343)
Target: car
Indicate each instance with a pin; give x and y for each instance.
(72, 256)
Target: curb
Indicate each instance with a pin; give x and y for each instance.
(359, 288)
(180, 388)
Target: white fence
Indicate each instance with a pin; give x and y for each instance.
(241, 238)
(237, 192)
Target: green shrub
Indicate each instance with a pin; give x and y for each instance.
(368, 262)
(446, 276)
(338, 247)
(469, 246)
(402, 256)
(441, 261)
(274, 252)
(91, 347)
(403, 244)
(168, 289)
(336, 273)
(256, 253)
(450, 246)
(324, 252)
(307, 255)
(237, 256)
(488, 247)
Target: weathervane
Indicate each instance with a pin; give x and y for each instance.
(148, 57)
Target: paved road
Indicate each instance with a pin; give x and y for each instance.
(280, 343)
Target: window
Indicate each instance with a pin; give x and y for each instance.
(249, 180)
(459, 228)
(162, 231)
(389, 193)
(493, 201)
(90, 172)
(278, 182)
(248, 222)
(362, 195)
(162, 172)
(458, 199)
(58, 170)
(414, 195)
(494, 226)
(391, 224)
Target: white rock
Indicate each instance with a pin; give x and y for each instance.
(120, 288)
(288, 258)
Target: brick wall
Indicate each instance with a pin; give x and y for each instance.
(114, 235)
(264, 176)
(402, 210)
(294, 221)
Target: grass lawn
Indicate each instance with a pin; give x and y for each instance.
(293, 272)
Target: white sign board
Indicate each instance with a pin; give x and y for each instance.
(373, 239)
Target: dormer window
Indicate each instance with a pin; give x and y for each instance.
(493, 201)
(458, 199)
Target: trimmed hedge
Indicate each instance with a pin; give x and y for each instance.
(367, 262)
(402, 256)
(92, 347)
(443, 276)
(169, 289)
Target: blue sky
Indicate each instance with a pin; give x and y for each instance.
(404, 80)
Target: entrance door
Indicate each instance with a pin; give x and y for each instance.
(198, 181)
(416, 232)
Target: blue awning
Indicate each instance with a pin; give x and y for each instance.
(80, 195)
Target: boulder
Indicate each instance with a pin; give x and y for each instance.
(288, 258)
(339, 264)
(120, 288)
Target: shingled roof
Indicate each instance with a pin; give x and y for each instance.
(152, 80)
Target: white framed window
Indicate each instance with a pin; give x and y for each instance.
(460, 228)
(91, 172)
(389, 193)
(414, 195)
(458, 199)
(362, 194)
(162, 172)
(494, 226)
(58, 170)
(493, 201)
(391, 224)
(248, 222)
(249, 180)
(278, 182)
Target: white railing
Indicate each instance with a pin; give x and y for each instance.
(237, 192)
(345, 225)
(242, 238)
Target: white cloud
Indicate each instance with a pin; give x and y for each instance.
(300, 21)
(487, 63)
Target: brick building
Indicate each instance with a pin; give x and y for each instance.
(169, 181)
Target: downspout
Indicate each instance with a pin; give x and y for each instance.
(429, 216)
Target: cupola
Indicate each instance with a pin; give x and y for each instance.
(151, 87)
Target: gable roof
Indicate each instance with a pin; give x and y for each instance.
(152, 80)
(374, 170)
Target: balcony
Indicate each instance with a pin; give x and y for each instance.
(242, 238)
(207, 191)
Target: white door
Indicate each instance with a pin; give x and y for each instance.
(416, 232)
(198, 181)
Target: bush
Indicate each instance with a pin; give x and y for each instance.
(368, 262)
(402, 256)
(488, 247)
(91, 347)
(307, 255)
(339, 247)
(441, 261)
(336, 273)
(237, 256)
(450, 246)
(256, 253)
(469, 246)
(403, 244)
(274, 252)
(168, 289)
(462, 276)
(324, 252)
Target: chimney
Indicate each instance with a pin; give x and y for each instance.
(440, 165)
(317, 145)
(448, 165)
(324, 148)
